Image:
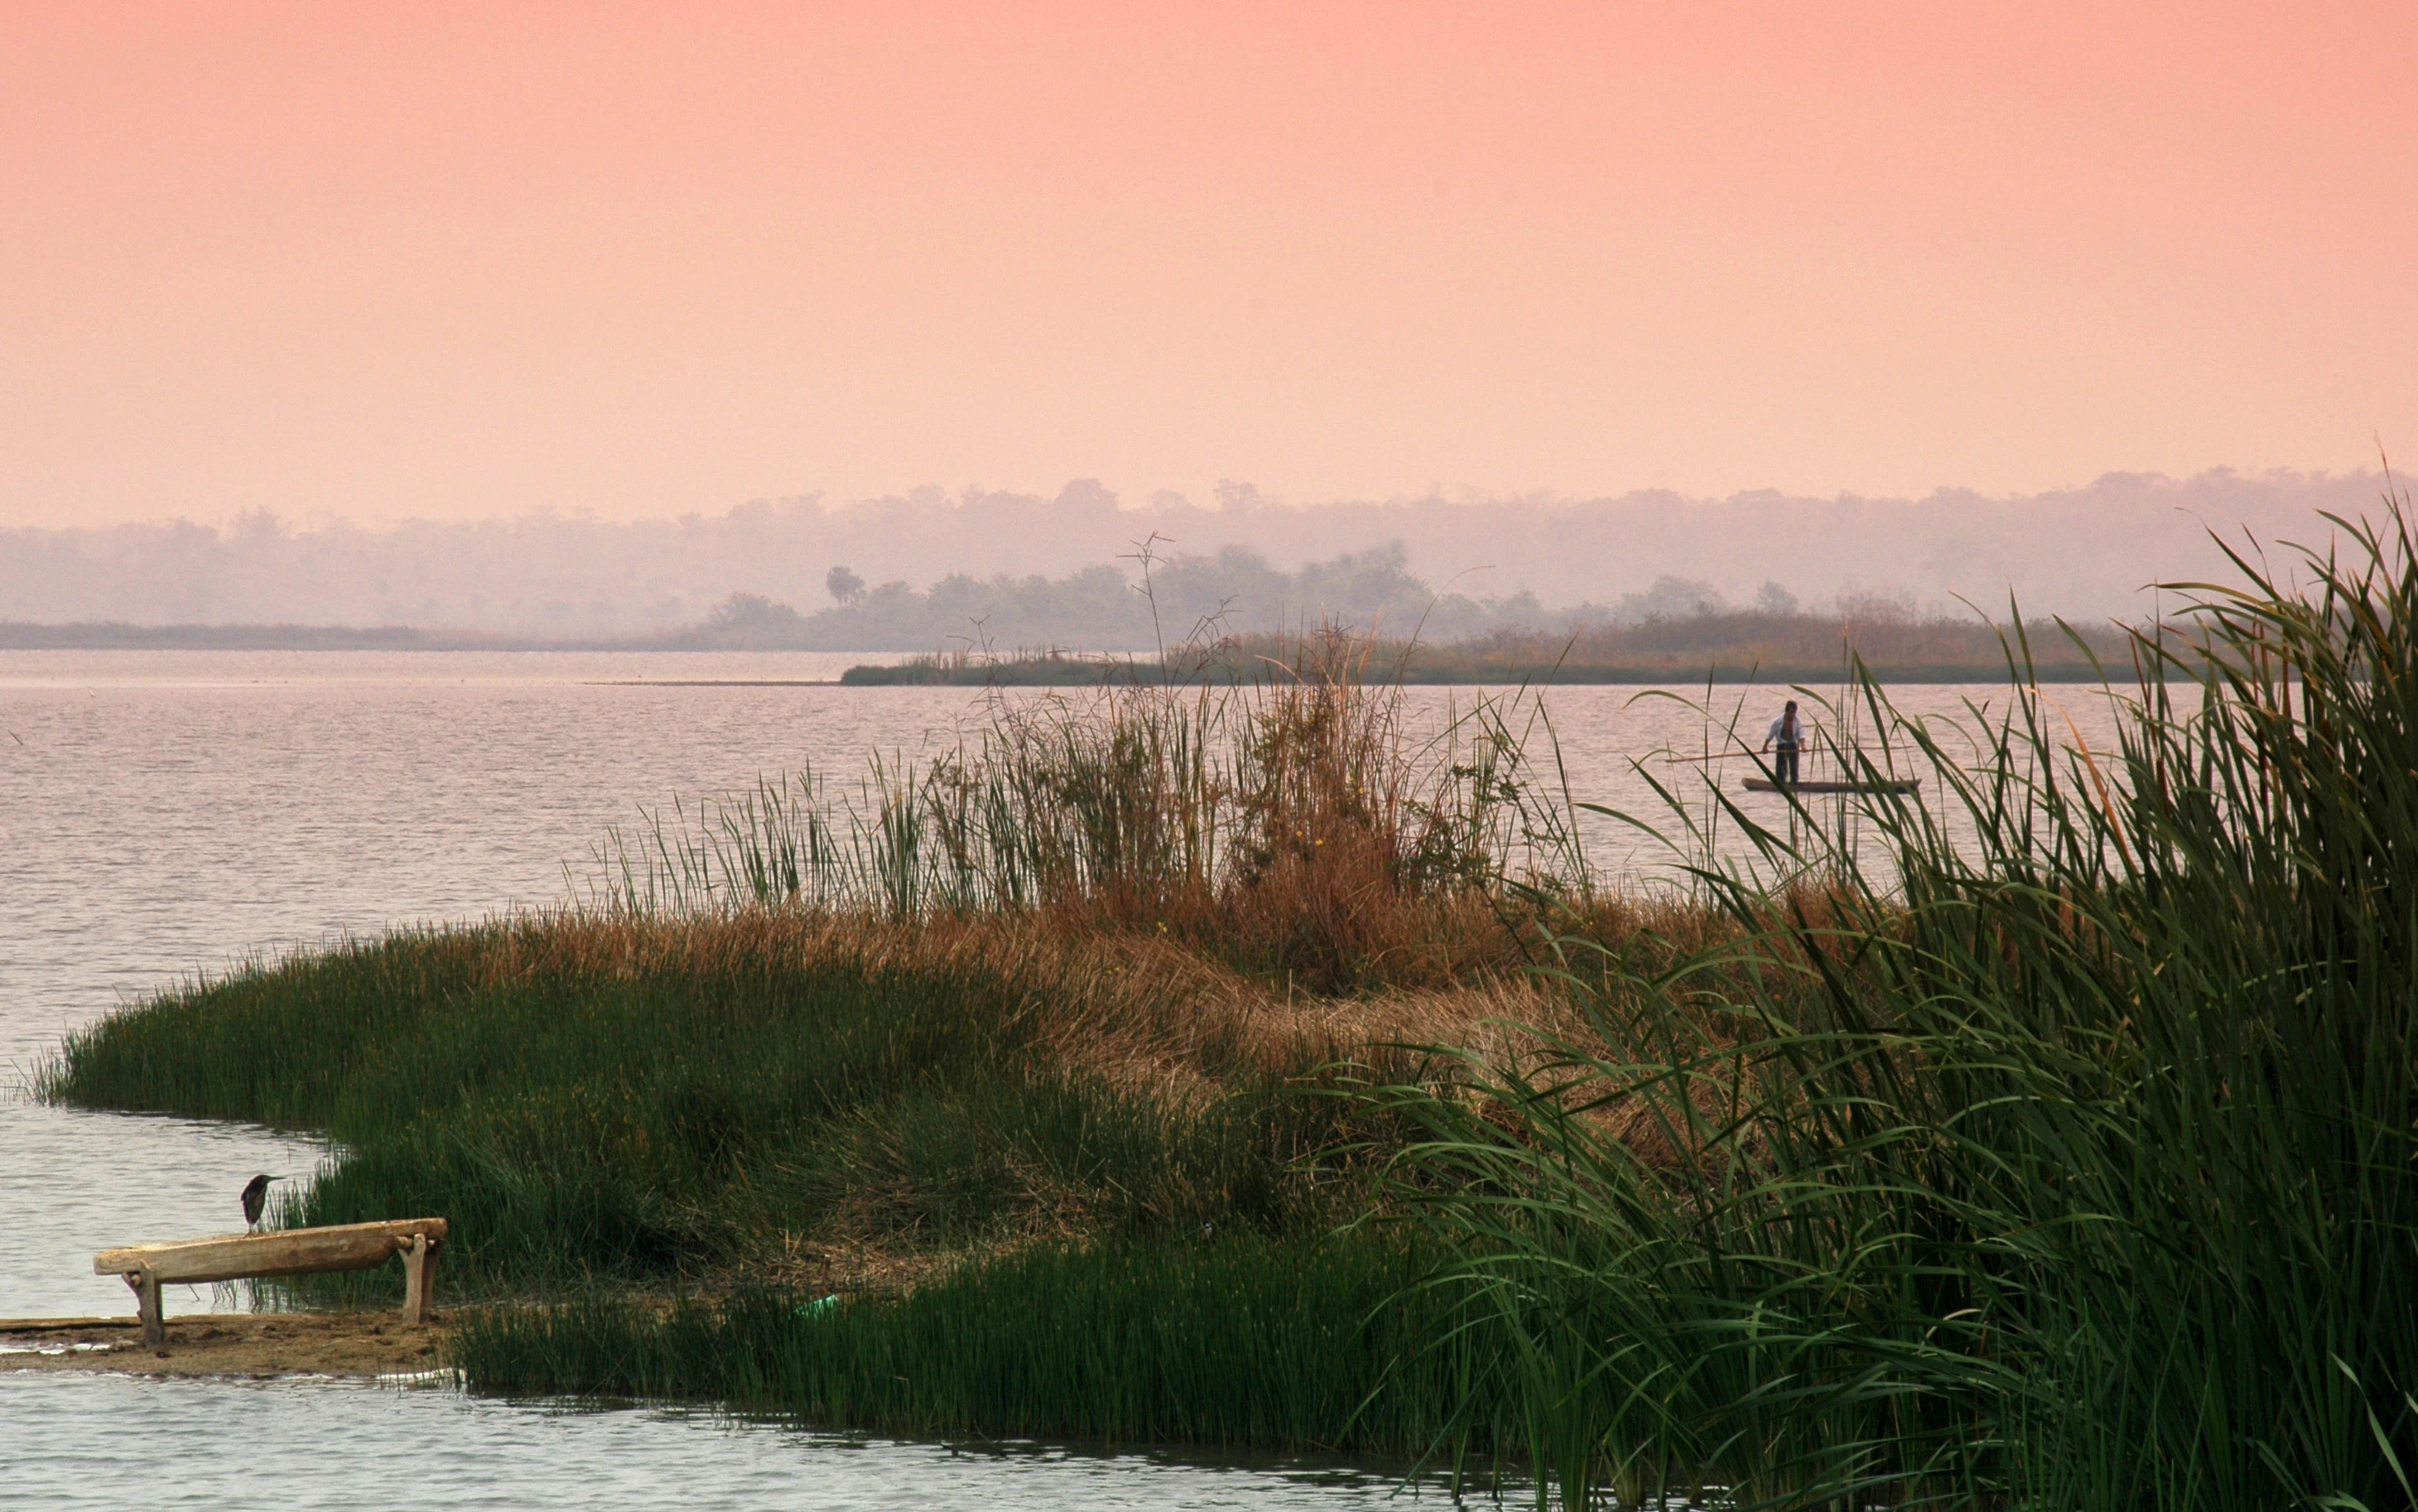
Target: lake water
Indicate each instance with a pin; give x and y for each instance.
(115, 1443)
(169, 814)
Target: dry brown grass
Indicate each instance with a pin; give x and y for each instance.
(1147, 1012)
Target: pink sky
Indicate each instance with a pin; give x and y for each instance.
(456, 260)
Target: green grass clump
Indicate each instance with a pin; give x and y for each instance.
(2074, 1164)
(1237, 1340)
(578, 1121)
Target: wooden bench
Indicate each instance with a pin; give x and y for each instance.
(352, 1247)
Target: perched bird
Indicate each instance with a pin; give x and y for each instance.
(255, 1197)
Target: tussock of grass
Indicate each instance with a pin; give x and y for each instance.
(635, 1097)
(1298, 828)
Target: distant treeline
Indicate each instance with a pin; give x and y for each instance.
(1182, 599)
(2080, 552)
(1190, 600)
(1231, 617)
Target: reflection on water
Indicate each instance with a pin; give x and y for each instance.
(112, 1442)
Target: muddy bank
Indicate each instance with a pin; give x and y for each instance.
(256, 1345)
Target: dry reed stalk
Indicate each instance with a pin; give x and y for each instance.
(1301, 828)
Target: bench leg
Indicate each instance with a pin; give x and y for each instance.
(146, 1305)
(419, 1279)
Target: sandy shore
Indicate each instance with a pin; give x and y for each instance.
(255, 1345)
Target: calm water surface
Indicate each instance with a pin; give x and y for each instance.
(165, 815)
(115, 1443)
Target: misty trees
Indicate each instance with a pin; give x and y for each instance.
(1670, 598)
(581, 576)
(1190, 596)
(1204, 596)
(750, 621)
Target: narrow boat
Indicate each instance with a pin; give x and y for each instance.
(1904, 785)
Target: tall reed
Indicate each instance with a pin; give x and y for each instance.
(1215, 1340)
(1302, 823)
(2073, 1166)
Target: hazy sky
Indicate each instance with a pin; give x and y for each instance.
(396, 259)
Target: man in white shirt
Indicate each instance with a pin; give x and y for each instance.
(1787, 733)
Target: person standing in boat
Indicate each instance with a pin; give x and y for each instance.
(1787, 733)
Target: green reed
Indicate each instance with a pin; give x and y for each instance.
(2073, 1166)
(1332, 1344)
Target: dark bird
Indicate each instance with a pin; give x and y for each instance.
(255, 1197)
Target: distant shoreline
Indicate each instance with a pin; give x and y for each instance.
(1480, 664)
(1072, 674)
(16, 635)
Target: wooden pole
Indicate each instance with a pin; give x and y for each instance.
(146, 1283)
(419, 1279)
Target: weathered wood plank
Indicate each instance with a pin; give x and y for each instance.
(351, 1246)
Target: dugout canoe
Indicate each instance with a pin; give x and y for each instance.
(1764, 784)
